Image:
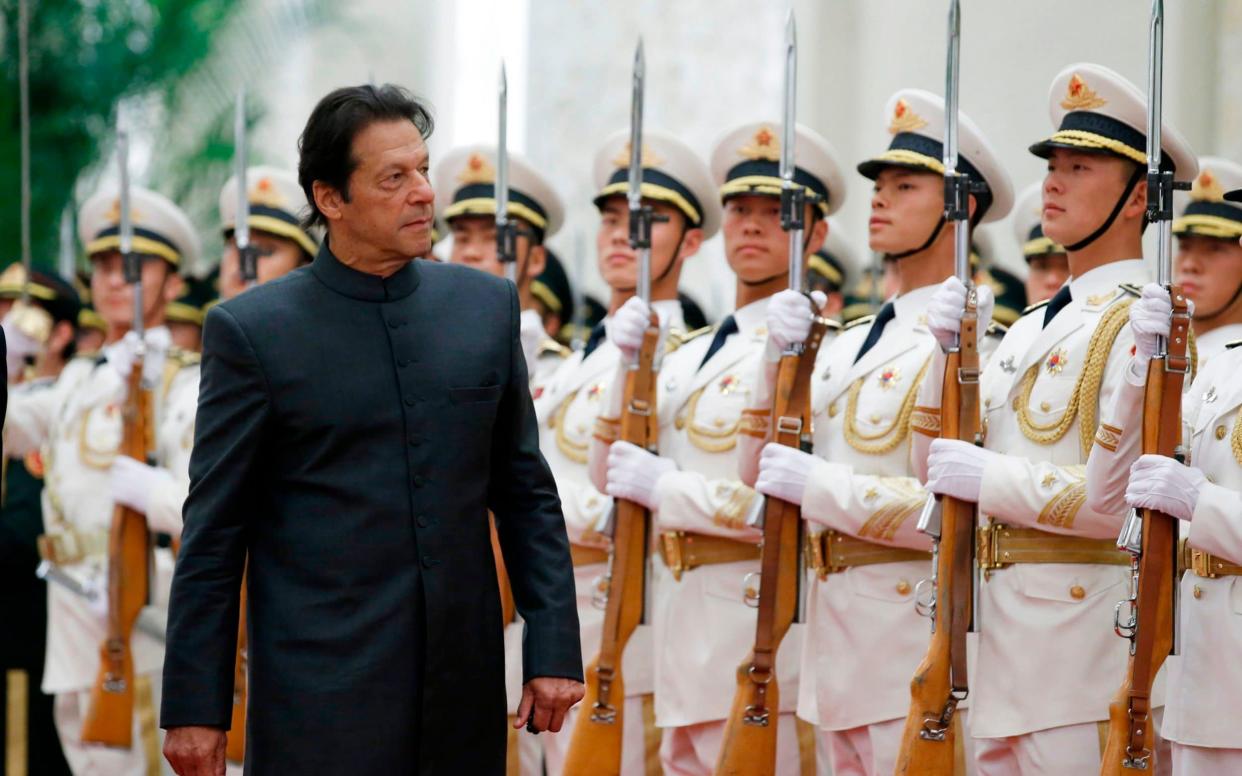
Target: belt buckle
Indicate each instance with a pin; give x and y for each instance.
(834, 563)
(815, 556)
(1201, 564)
(670, 544)
(987, 550)
(61, 548)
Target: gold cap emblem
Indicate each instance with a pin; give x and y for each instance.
(764, 145)
(114, 213)
(477, 170)
(1207, 188)
(1079, 96)
(647, 158)
(265, 193)
(905, 119)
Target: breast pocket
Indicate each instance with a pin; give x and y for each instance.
(1070, 583)
(475, 395)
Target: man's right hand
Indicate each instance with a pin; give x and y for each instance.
(195, 750)
(628, 326)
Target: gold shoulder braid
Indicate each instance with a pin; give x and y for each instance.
(713, 441)
(572, 450)
(1090, 379)
(887, 440)
(1235, 439)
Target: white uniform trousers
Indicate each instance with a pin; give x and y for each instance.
(633, 739)
(1070, 750)
(144, 758)
(1205, 761)
(692, 750)
(871, 750)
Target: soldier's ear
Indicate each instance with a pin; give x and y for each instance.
(815, 238)
(537, 261)
(691, 242)
(174, 286)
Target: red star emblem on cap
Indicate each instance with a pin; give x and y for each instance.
(764, 137)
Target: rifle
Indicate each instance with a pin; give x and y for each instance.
(236, 748)
(109, 720)
(750, 732)
(940, 682)
(247, 255)
(596, 743)
(1150, 536)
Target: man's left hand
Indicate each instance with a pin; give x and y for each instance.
(545, 700)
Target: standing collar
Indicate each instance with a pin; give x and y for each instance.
(910, 305)
(1106, 278)
(363, 286)
(752, 316)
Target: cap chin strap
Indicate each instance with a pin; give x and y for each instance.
(1135, 177)
(927, 244)
(1223, 308)
(671, 263)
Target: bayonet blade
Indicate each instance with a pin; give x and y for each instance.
(505, 243)
(640, 221)
(241, 229)
(789, 109)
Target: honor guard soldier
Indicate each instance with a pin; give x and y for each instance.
(678, 186)
(92, 330)
(554, 299)
(280, 241)
(1206, 494)
(708, 553)
(77, 425)
(865, 636)
(1208, 264)
(1046, 264)
(1047, 662)
(185, 314)
(29, 732)
(829, 271)
(466, 181)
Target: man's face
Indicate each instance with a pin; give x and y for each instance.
(1046, 276)
(1209, 269)
(906, 205)
(187, 336)
(113, 298)
(391, 204)
(277, 257)
(1080, 190)
(755, 245)
(618, 262)
(474, 245)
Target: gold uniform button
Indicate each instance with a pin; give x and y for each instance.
(1015, 404)
(1198, 593)
(1077, 592)
(1220, 432)
(1044, 406)
(903, 587)
(832, 410)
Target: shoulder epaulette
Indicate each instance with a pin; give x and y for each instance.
(1132, 289)
(858, 322)
(1033, 307)
(1234, 344)
(997, 329)
(833, 324)
(183, 357)
(551, 346)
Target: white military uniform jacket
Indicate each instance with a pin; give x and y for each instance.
(1047, 652)
(77, 424)
(567, 408)
(1213, 343)
(865, 637)
(702, 627)
(1206, 678)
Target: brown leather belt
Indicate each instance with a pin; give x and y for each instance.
(682, 551)
(1206, 565)
(587, 556)
(1000, 545)
(64, 546)
(831, 552)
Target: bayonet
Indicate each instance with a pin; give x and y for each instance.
(506, 233)
(248, 257)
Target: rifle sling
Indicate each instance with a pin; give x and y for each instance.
(1159, 530)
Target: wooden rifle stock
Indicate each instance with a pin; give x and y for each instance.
(236, 751)
(595, 745)
(929, 739)
(1130, 747)
(749, 747)
(109, 720)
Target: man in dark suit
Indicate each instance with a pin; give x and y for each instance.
(352, 443)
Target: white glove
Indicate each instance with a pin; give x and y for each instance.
(531, 333)
(955, 468)
(121, 354)
(790, 316)
(1161, 483)
(627, 327)
(19, 346)
(634, 473)
(944, 311)
(133, 482)
(783, 472)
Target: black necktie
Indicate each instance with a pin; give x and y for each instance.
(1057, 302)
(887, 313)
(597, 336)
(728, 327)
